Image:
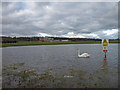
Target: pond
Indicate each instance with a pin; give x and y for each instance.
(62, 63)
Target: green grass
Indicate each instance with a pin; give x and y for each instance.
(28, 43)
(115, 41)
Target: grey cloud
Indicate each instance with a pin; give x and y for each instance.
(58, 18)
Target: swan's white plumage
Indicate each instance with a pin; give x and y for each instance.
(84, 55)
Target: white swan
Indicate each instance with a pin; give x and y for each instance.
(84, 55)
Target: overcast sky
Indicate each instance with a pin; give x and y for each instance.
(70, 19)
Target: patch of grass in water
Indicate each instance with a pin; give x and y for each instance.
(19, 77)
(29, 78)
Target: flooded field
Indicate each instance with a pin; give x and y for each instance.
(59, 66)
(0, 68)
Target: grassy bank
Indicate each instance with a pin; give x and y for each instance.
(27, 43)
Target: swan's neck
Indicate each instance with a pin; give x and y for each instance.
(78, 51)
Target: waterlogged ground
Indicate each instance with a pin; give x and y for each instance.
(0, 81)
(59, 67)
(0, 77)
(16, 76)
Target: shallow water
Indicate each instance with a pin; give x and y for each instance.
(63, 58)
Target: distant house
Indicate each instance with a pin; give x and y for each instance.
(42, 39)
(64, 40)
(46, 39)
(57, 40)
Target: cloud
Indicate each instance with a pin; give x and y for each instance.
(43, 34)
(71, 19)
(111, 32)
